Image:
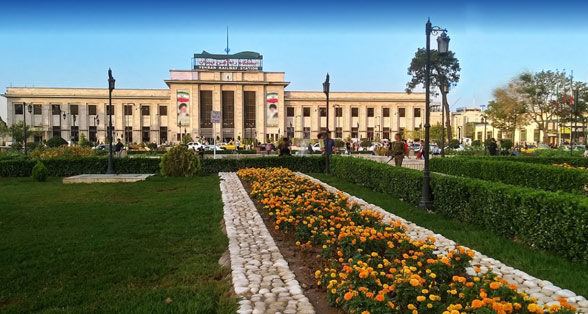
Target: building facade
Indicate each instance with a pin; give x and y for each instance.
(248, 102)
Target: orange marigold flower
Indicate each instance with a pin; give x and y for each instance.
(380, 297)
(348, 296)
(494, 285)
(476, 304)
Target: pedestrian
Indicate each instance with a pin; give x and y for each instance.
(328, 144)
(309, 148)
(319, 137)
(284, 147)
(237, 144)
(493, 147)
(348, 147)
(397, 150)
(118, 148)
(268, 148)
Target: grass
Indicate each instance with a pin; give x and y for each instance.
(540, 264)
(112, 248)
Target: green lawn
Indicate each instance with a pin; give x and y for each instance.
(112, 248)
(540, 264)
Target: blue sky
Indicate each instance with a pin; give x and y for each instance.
(364, 45)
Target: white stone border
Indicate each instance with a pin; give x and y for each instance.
(544, 291)
(261, 276)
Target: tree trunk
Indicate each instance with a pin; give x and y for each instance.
(543, 128)
(447, 121)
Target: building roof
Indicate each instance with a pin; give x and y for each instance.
(238, 55)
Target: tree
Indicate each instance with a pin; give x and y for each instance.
(444, 72)
(16, 132)
(506, 111)
(539, 92)
(436, 132)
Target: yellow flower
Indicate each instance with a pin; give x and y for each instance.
(421, 298)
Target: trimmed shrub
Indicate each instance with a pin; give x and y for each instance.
(553, 221)
(40, 172)
(180, 162)
(302, 164)
(573, 161)
(538, 176)
(56, 141)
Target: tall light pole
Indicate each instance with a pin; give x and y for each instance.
(443, 48)
(445, 88)
(24, 121)
(484, 137)
(111, 81)
(326, 88)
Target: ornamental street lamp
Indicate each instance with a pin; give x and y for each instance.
(326, 88)
(445, 87)
(443, 48)
(111, 82)
(74, 136)
(484, 137)
(24, 121)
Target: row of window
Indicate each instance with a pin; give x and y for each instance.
(354, 112)
(126, 137)
(74, 110)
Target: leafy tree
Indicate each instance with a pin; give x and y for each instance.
(539, 92)
(56, 141)
(83, 142)
(436, 132)
(444, 72)
(16, 132)
(506, 111)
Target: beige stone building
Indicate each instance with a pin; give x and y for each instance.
(252, 104)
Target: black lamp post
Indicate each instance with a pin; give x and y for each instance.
(111, 81)
(484, 137)
(326, 88)
(443, 48)
(28, 108)
(74, 136)
(445, 87)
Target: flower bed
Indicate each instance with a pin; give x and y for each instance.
(373, 266)
(568, 166)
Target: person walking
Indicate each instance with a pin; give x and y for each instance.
(118, 148)
(284, 147)
(268, 148)
(348, 147)
(397, 150)
(493, 147)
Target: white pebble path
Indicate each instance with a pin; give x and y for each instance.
(544, 291)
(261, 276)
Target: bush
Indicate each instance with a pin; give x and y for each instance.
(56, 141)
(152, 146)
(62, 152)
(40, 172)
(553, 221)
(294, 163)
(506, 143)
(453, 143)
(538, 176)
(180, 162)
(573, 161)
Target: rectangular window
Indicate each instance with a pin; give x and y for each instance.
(354, 132)
(479, 135)
(386, 112)
(73, 109)
(338, 132)
(401, 112)
(306, 132)
(162, 134)
(56, 130)
(370, 133)
(500, 135)
(355, 112)
(145, 110)
(523, 135)
(338, 112)
(145, 134)
(417, 112)
(536, 135)
(488, 134)
(110, 110)
(55, 110)
(290, 132)
(370, 112)
(205, 108)
(37, 109)
(290, 112)
(18, 108)
(386, 133)
(129, 134)
(75, 132)
(163, 110)
(92, 110)
(92, 134)
(249, 106)
(228, 109)
(323, 112)
(128, 110)
(306, 111)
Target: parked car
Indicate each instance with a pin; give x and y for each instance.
(210, 147)
(101, 147)
(415, 147)
(530, 148)
(228, 146)
(316, 147)
(434, 149)
(195, 146)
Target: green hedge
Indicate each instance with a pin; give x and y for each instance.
(538, 176)
(62, 167)
(75, 166)
(573, 161)
(553, 221)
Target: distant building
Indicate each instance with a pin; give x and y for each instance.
(252, 103)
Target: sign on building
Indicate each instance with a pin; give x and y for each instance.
(242, 61)
(215, 116)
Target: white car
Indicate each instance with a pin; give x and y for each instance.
(210, 147)
(316, 147)
(195, 146)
